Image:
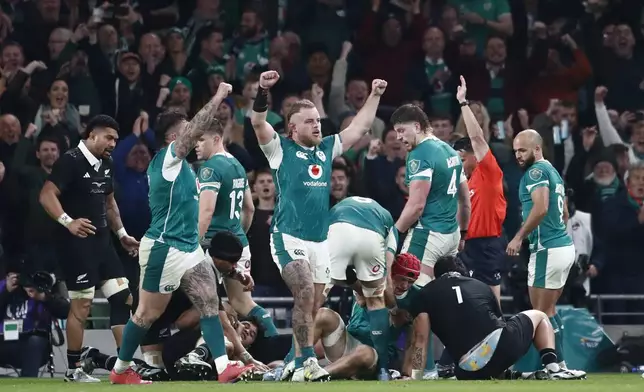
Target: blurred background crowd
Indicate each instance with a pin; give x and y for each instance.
(572, 70)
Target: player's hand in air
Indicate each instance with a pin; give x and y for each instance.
(81, 227)
(223, 91)
(268, 79)
(247, 281)
(130, 244)
(514, 246)
(378, 87)
(461, 91)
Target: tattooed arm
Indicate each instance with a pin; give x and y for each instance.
(187, 140)
(419, 346)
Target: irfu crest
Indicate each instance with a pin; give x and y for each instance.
(414, 165)
(535, 174)
(206, 173)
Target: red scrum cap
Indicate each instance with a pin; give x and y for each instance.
(406, 265)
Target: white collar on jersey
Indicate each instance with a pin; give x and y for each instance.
(93, 161)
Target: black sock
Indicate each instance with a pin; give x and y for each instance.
(110, 362)
(203, 352)
(73, 359)
(548, 356)
(100, 360)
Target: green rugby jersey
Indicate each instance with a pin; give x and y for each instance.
(223, 174)
(435, 161)
(174, 202)
(551, 232)
(302, 179)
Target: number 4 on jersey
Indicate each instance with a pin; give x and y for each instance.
(451, 189)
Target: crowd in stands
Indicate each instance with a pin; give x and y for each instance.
(572, 70)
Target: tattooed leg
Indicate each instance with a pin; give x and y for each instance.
(298, 278)
(200, 285)
(151, 306)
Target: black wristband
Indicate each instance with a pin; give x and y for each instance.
(463, 234)
(464, 103)
(261, 101)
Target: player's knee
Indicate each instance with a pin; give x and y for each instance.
(86, 294)
(120, 307)
(332, 330)
(364, 356)
(374, 289)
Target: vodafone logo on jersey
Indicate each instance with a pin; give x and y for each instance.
(315, 171)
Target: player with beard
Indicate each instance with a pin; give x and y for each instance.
(170, 255)
(542, 194)
(301, 164)
(81, 184)
(466, 316)
(484, 251)
(437, 212)
(226, 204)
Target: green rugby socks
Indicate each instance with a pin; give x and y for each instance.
(379, 320)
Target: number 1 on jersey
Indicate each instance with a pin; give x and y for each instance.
(459, 295)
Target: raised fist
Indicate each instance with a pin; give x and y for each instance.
(600, 93)
(378, 87)
(268, 79)
(317, 92)
(224, 90)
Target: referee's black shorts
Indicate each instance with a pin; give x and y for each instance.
(485, 256)
(86, 262)
(514, 343)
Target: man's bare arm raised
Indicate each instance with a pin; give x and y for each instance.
(187, 139)
(263, 130)
(362, 122)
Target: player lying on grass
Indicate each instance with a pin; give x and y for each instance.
(466, 317)
(350, 348)
(225, 250)
(173, 348)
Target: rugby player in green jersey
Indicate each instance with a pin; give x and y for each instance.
(437, 212)
(360, 236)
(543, 205)
(226, 204)
(301, 164)
(169, 254)
(351, 349)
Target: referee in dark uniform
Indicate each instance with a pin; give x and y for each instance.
(79, 194)
(465, 315)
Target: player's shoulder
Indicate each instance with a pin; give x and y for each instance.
(74, 153)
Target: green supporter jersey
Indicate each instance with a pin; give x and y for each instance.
(551, 232)
(367, 214)
(174, 202)
(223, 174)
(435, 161)
(302, 179)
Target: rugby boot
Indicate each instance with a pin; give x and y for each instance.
(233, 372)
(193, 365)
(128, 377)
(314, 372)
(79, 375)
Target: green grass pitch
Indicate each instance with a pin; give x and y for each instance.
(594, 383)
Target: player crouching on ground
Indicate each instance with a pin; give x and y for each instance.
(466, 317)
(350, 348)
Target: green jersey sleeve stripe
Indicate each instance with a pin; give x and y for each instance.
(536, 185)
(210, 185)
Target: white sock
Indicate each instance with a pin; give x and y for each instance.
(553, 367)
(121, 366)
(221, 363)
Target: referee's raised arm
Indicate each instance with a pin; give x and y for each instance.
(62, 175)
(474, 131)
